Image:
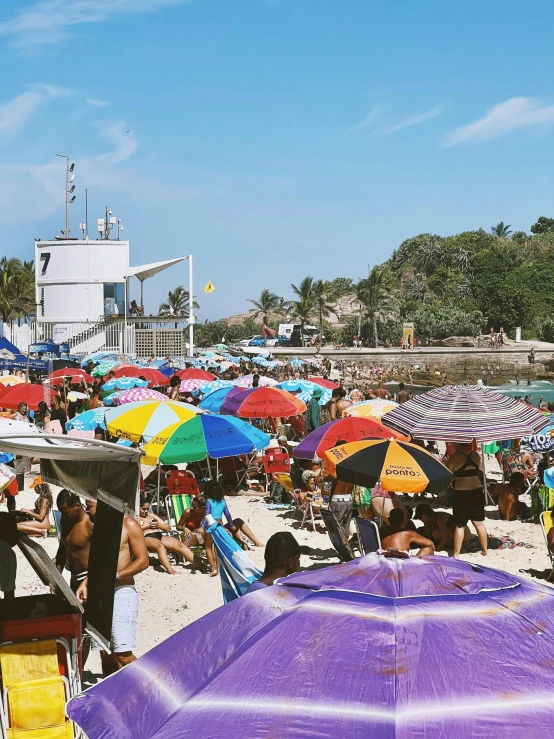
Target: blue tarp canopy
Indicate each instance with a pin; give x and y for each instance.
(18, 360)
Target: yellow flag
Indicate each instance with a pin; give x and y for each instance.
(209, 288)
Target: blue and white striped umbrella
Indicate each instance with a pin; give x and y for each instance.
(88, 421)
(214, 385)
(303, 389)
(123, 383)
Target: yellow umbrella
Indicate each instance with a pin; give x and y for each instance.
(374, 408)
(9, 380)
(143, 420)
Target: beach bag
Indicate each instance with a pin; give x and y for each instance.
(324, 414)
(361, 496)
(7, 476)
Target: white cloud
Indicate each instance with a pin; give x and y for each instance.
(15, 113)
(123, 140)
(96, 103)
(47, 22)
(502, 119)
(370, 118)
(414, 120)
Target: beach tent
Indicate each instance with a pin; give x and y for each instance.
(105, 472)
(12, 358)
(378, 648)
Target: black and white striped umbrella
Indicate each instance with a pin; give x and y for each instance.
(463, 413)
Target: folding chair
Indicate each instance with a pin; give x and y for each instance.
(34, 692)
(546, 525)
(368, 535)
(182, 482)
(308, 507)
(176, 505)
(299, 426)
(335, 536)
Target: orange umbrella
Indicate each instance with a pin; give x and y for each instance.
(153, 376)
(195, 374)
(269, 402)
(73, 374)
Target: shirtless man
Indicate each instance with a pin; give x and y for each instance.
(402, 396)
(75, 537)
(133, 558)
(508, 496)
(401, 539)
(152, 527)
(382, 392)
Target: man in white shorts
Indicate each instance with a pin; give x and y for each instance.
(133, 558)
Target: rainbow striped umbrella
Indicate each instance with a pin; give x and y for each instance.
(143, 420)
(463, 413)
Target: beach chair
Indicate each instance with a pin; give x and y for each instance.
(546, 525)
(310, 514)
(176, 505)
(299, 426)
(182, 482)
(368, 535)
(34, 692)
(334, 534)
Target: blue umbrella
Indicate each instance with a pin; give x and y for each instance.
(215, 385)
(214, 400)
(88, 421)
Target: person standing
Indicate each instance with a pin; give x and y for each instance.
(76, 532)
(402, 395)
(57, 413)
(133, 558)
(313, 421)
(468, 503)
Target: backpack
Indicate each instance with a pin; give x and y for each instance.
(324, 414)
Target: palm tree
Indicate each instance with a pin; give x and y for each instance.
(378, 297)
(461, 259)
(501, 230)
(325, 297)
(17, 292)
(304, 307)
(429, 255)
(177, 304)
(417, 288)
(266, 304)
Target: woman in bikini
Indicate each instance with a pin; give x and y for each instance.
(468, 503)
(37, 521)
(190, 523)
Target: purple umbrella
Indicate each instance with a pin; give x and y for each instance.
(377, 648)
(233, 400)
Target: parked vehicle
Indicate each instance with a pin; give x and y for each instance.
(289, 334)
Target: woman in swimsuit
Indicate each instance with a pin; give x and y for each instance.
(216, 508)
(468, 503)
(37, 521)
(190, 523)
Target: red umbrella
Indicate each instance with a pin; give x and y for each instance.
(264, 402)
(26, 393)
(71, 373)
(346, 429)
(154, 377)
(323, 383)
(195, 374)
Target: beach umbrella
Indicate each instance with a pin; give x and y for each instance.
(215, 385)
(104, 367)
(214, 400)
(154, 377)
(399, 466)
(10, 380)
(246, 381)
(189, 386)
(463, 412)
(137, 394)
(201, 436)
(89, 420)
(69, 373)
(377, 648)
(191, 373)
(376, 408)
(219, 347)
(123, 383)
(324, 383)
(27, 393)
(344, 429)
(266, 402)
(297, 362)
(143, 420)
(540, 443)
(303, 389)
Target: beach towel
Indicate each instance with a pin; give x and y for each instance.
(495, 542)
(236, 569)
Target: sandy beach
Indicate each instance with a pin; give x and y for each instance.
(170, 602)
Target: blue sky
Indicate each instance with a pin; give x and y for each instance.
(274, 138)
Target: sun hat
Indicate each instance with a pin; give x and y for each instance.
(317, 392)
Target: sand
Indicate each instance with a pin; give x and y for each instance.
(170, 602)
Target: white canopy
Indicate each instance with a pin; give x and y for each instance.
(144, 271)
(52, 446)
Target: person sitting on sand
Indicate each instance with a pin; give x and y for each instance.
(395, 536)
(282, 558)
(190, 523)
(216, 508)
(438, 526)
(509, 505)
(153, 527)
(37, 521)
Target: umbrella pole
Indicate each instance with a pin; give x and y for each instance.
(158, 493)
(209, 467)
(487, 496)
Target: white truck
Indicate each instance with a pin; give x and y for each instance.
(289, 334)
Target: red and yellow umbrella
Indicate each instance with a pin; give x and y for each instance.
(399, 466)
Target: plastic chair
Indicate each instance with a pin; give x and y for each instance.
(546, 525)
(53, 427)
(34, 691)
(182, 482)
(334, 534)
(368, 535)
